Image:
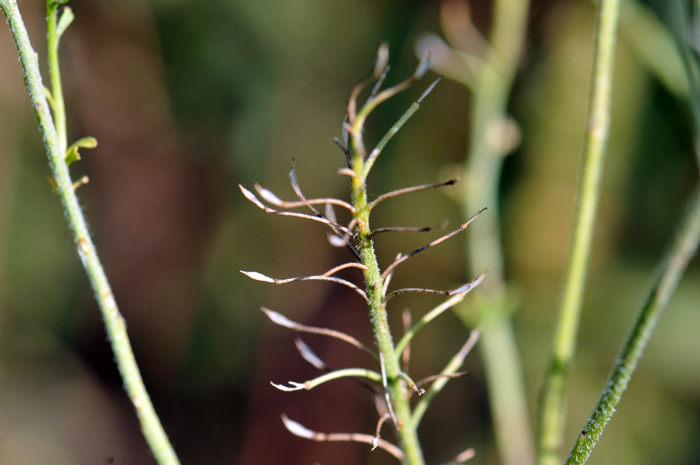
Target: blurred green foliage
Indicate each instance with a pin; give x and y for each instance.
(188, 99)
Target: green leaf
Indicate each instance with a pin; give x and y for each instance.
(72, 154)
(67, 17)
(85, 143)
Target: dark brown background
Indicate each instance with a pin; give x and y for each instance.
(188, 99)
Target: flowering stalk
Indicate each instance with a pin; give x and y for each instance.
(390, 383)
(377, 308)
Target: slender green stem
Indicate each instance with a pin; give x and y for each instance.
(564, 342)
(58, 106)
(451, 368)
(114, 322)
(394, 129)
(387, 137)
(406, 428)
(336, 374)
(427, 318)
(491, 88)
(670, 271)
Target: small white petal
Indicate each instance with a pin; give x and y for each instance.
(250, 196)
(423, 66)
(336, 241)
(296, 429)
(466, 455)
(467, 287)
(258, 276)
(461, 290)
(440, 52)
(294, 386)
(267, 195)
(309, 354)
(278, 318)
(330, 213)
(382, 60)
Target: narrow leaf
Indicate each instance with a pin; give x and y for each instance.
(67, 18)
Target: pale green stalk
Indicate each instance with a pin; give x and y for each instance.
(564, 343)
(670, 271)
(491, 88)
(55, 142)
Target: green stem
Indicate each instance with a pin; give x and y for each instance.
(344, 373)
(387, 137)
(491, 89)
(669, 273)
(452, 367)
(427, 318)
(564, 343)
(58, 106)
(406, 428)
(114, 322)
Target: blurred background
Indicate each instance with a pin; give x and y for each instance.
(188, 100)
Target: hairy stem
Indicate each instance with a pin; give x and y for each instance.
(406, 428)
(564, 342)
(670, 271)
(55, 146)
